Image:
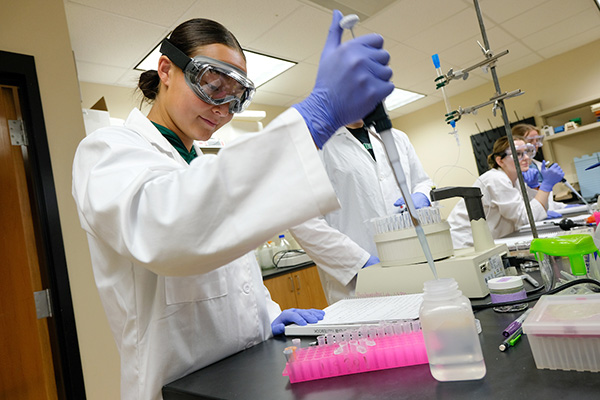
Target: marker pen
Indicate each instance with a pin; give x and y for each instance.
(510, 329)
(511, 340)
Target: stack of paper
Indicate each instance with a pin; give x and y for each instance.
(351, 313)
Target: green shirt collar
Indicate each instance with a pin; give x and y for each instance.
(176, 142)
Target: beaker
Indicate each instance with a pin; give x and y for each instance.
(566, 258)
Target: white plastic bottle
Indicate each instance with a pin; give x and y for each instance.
(450, 333)
(264, 255)
(281, 246)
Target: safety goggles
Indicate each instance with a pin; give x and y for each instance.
(539, 140)
(214, 82)
(526, 149)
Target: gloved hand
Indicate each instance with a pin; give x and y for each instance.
(372, 260)
(419, 200)
(353, 77)
(295, 316)
(551, 176)
(531, 178)
(553, 214)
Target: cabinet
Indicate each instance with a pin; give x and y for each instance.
(562, 147)
(300, 288)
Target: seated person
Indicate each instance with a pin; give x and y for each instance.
(532, 176)
(502, 200)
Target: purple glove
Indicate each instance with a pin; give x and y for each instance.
(531, 178)
(372, 260)
(419, 200)
(295, 316)
(553, 214)
(551, 176)
(353, 77)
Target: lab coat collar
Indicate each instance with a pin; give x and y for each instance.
(139, 123)
(355, 142)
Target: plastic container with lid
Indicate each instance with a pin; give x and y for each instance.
(564, 332)
(507, 288)
(450, 333)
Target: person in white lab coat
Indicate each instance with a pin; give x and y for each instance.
(364, 182)
(532, 176)
(172, 232)
(502, 200)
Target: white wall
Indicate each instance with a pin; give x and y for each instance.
(39, 28)
(562, 79)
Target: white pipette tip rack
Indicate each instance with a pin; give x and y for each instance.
(397, 242)
(395, 222)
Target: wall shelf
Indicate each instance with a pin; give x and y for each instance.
(562, 147)
(577, 131)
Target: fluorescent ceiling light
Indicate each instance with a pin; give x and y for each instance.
(597, 3)
(261, 68)
(401, 97)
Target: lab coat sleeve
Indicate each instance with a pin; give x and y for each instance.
(509, 201)
(332, 251)
(182, 220)
(420, 181)
(273, 309)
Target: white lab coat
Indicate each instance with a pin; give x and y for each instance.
(366, 189)
(172, 244)
(552, 205)
(503, 206)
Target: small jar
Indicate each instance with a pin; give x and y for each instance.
(507, 288)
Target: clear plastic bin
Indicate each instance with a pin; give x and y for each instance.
(564, 332)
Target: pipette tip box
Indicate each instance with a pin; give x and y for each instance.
(564, 332)
(359, 354)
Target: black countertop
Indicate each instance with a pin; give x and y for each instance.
(255, 373)
(276, 271)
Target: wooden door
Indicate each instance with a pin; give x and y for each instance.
(309, 292)
(282, 290)
(26, 367)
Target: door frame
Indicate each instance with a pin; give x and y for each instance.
(19, 70)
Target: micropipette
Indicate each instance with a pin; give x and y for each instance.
(572, 189)
(381, 121)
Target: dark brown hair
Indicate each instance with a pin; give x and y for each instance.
(499, 149)
(188, 37)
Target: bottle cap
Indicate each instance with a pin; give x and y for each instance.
(505, 282)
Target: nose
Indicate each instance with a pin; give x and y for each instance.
(221, 109)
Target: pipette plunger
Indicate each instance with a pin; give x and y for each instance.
(348, 22)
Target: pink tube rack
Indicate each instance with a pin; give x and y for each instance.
(359, 354)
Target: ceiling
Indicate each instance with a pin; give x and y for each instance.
(109, 37)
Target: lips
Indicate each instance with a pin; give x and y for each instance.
(209, 122)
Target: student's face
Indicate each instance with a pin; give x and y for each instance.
(532, 137)
(524, 161)
(194, 118)
(508, 165)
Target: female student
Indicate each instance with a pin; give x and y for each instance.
(532, 176)
(502, 200)
(172, 232)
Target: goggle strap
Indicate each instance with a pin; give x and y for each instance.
(178, 57)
